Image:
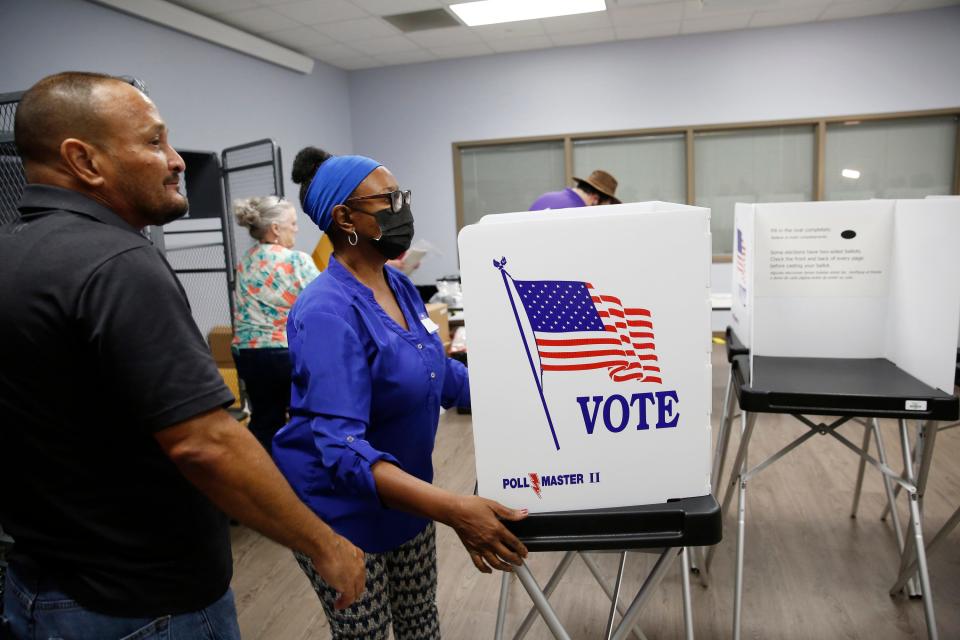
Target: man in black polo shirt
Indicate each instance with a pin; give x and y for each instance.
(116, 457)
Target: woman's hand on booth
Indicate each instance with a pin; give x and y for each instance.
(478, 521)
(490, 544)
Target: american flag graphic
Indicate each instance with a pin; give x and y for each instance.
(741, 256)
(577, 328)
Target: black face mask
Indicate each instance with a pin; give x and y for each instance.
(396, 231)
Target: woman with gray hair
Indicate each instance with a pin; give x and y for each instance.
(270, 276)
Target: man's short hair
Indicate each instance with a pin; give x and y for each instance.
(55, 108)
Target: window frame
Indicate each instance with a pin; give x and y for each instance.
(819, 149)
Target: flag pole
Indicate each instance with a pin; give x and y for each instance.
(546, 410)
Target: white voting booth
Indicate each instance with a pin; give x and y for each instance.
(856, 279)
(848, 310)
(590, 355)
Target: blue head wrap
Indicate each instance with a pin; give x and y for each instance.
(335, 180)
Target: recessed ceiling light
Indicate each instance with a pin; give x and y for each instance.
(483, 12)
(853, 174)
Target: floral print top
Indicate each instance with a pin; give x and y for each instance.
(269, 279)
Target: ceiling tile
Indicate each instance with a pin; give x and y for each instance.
(583, 37)
(634, 3)
(786, 16)
(301, 38)
(354, 63)
(525, 28)
(520, 44)
(260, 20)
(581, 22)
(321, 11)
(406, 57)
(715, 23)
(449, 37)
(361, 29)
(461, 51)
(330, 51)
(920, 5)
(393, 7)
(639, 16)
(387, 45)
(697, 9)
(656, 30)
(213, 7)
(858, 8)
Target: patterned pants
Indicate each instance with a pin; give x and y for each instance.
(401, 588)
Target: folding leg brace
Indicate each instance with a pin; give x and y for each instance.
(912, 483)
(627, 626)
(702, 557)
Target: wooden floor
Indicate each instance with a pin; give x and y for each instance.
(811, 570)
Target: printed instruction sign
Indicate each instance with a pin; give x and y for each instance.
(823, 254)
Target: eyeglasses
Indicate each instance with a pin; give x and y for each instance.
(397, 199)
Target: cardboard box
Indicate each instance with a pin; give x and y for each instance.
(220, 338)
(441, 317)
(233, 382)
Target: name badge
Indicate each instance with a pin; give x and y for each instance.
(430, 325)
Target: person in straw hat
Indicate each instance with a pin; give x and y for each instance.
(598, 188)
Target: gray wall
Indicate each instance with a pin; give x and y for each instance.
(407, 117)
(211, 97)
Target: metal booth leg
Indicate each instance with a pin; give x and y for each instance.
(621, 608)
(540, 602)
(548, 590)
(616, 596)
(746, 424)
(889, 490)
(867, 430)
(915, 546)
(917, 453)
(505, 581)
(687, 604)
(723, 438)
(653, 579)
(703, 557)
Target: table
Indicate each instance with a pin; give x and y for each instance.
(668, 528)
(846, 389)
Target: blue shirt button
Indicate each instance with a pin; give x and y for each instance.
(349, 438)
(433, 375)
(419, 346)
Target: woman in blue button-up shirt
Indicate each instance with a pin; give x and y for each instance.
(369, 378)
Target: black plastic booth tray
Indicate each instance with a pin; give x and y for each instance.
(687, 522)
(734, 346)
(867, 387)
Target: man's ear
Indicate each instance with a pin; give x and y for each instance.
(83, 161)
(342, 219)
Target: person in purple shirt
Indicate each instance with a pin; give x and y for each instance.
(599, 188)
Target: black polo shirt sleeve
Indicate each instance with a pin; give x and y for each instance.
(135, 320)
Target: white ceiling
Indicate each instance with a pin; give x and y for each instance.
(351, 34)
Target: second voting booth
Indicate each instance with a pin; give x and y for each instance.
(850, 310)
(590, 378)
